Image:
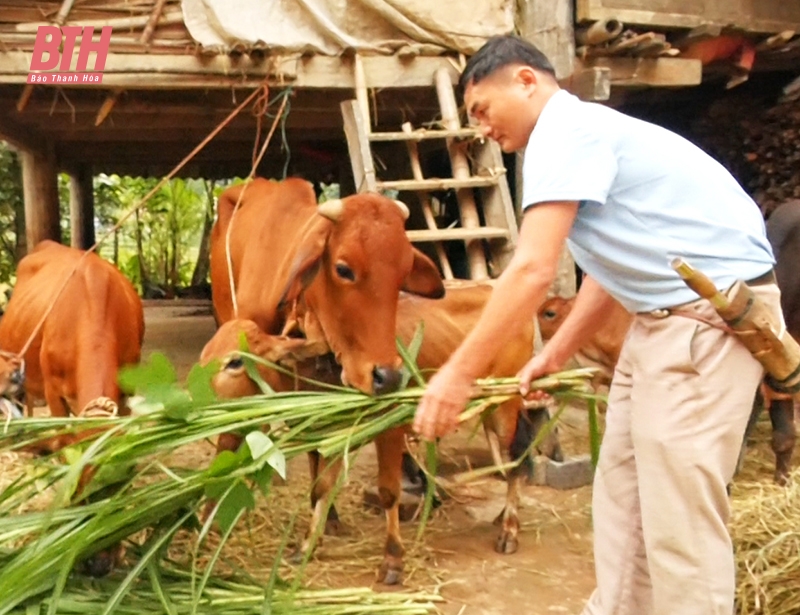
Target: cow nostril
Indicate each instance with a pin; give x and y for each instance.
(385, 380)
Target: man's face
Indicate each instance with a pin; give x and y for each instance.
(502, 105)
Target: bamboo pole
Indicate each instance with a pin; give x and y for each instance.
(152, 22)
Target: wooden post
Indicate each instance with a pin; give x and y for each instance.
(40, 189)
(548, 24)
(81, 208)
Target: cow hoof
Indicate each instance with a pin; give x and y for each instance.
(390, 573)
(498, 520)
(334, 527)
(101, 564)
(506, 544)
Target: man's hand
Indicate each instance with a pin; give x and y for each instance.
(445, 398)
(540, 365)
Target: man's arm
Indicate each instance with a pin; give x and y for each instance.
(517, 295)
(592, 306)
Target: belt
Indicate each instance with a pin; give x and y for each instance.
(762, 280)
(767, 278)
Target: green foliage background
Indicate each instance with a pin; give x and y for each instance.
(162, 249)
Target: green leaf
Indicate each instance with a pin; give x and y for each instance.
(139, 378)
(594, 432)
(263, 478)
(250, 367)
(238, 498)
(261, 447)
(224, 463)
(409, 356)
(198, 382)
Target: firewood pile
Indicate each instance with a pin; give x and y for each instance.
(758, 140)
(610, 38)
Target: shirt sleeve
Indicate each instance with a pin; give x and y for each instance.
(567, 161)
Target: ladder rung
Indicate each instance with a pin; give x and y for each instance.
(422, 134)
(438, 184)
(450, 234)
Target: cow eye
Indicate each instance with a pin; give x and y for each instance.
(344, 272)
(549, 314)
(234, 363)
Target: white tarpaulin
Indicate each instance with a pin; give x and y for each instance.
(331, 26)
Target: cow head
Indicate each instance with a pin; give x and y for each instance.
(352, 263)
(552, 314)
(232, 380)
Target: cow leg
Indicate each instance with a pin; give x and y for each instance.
(755, 414)
(507, 541)
(326, 477)
(390, 446)
(333, 526)
(550, 446)
(781, 414)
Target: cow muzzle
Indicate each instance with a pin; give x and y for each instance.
(385, 380)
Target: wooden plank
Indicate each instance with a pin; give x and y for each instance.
(358, 146)
(653, 72)
(422, 134)
(145, 71)
(457, 234)
(437, 183)
(767, 16)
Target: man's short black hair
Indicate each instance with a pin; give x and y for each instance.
(501, 51)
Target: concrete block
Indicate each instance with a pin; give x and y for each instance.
(568, 474)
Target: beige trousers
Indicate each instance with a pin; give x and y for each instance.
(678, 406)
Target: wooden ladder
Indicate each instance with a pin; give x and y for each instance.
(487, 174)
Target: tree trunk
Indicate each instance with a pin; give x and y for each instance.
(200, 273)
(140, 252)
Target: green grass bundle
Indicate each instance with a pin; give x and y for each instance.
(39, 550)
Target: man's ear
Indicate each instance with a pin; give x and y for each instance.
(307, 259)
(424, 279)
(525, 76)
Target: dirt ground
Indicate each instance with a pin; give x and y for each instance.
(552, 572)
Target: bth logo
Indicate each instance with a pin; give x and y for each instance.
(54, 49)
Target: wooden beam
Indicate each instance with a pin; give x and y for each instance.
(81, 207)
(21, 137)
(592, 84)
(652, 72)
(40, 190)
(146, 71)
(772, 16)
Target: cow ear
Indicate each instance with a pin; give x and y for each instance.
(307, 259)
(424, 279)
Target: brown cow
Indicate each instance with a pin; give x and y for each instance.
(602, 350)
(446, 322)
(334, 271)
(96, 327)
(783, 232)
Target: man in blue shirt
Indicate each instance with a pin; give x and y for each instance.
(627, 197)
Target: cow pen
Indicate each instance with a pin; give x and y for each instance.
(370, 105)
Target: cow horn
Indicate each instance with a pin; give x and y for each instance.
(331, 209)
(403, 208)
